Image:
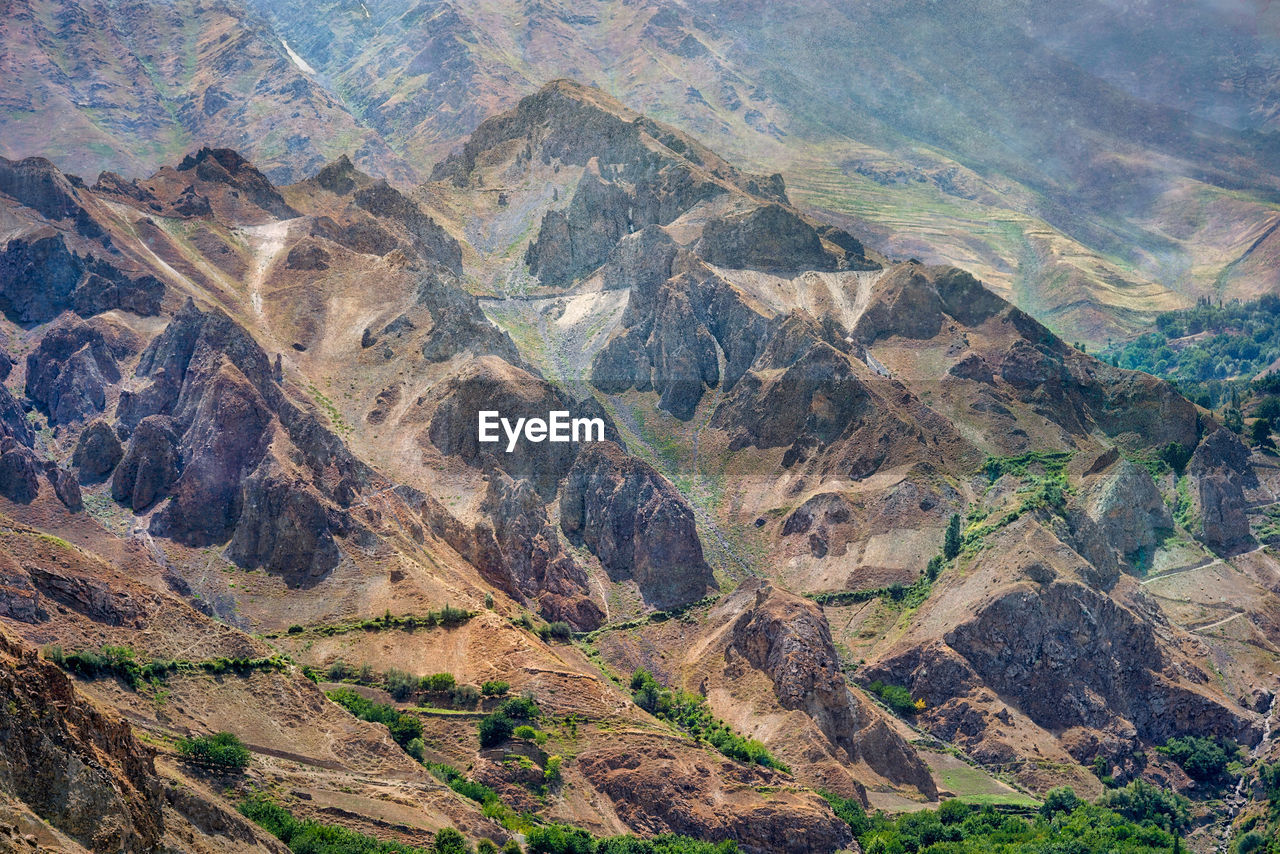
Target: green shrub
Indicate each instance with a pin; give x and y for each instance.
(521, 708)
(400, 685)
(495, 729)
(951, 541)
(438, 683)
(449, 841)
(526, 732)
(223, 751)
(896, 697)
(465, 696)
(1061, 799)
(404, 727)
(306, 836)
(494, 689)
(1203, 759)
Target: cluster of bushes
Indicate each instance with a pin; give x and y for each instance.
(566, 839)
(501, 724)
(1063, 825)
(491, 804)
(121, 662)
(222, 751)
(1204, 759)
(447, 617)
(405, 728)
(403, 686)
(897, 698)
(557, 631)
(306, 836)
(690, 713)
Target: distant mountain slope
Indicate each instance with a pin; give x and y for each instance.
(133, 85)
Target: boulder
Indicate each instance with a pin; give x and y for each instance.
(770, 237)
(150, 464)
(283, 527)
(1220, 473)
(20, 471)
(97, 452)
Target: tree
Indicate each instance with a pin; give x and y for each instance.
(952, 542)
(450, 841)
(495, 729)
(1060, 799)
(1261, 433)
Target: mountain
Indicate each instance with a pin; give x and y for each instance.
(857, 533)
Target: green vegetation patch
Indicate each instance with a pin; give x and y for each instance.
(691, 714)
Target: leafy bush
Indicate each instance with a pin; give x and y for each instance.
(896, 697)
(521, 708)
(465, 696)
(1202, 758)
(526, 732)
(438, 682)
(1060, 799)
(495, 729)
(449, 841)
(494, 689)
(223, 750)
(1143, 803)
(400, 685)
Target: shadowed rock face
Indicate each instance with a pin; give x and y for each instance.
(215, 389)
(1220, 471)
(788, 638)
(766, 238)
(150, 464)
(41, 277)
(1128, 509)
(68, 374)
(639, 526)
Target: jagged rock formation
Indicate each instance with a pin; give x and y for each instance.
(98, 450)
(646, 781)
(68, 374)
(788, 639)
(630, 517)
(1221, 472)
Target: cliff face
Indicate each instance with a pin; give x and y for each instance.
(636, 523)
(73, 775)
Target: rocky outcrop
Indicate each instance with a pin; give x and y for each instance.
(308, 256)
(226, 167)
(636, 522)
(1128, 509)
(13, 421)
(40, 277)
(658, 789)
(489, 383)
(78, 768)
(97, 452)
(38, 184)
(149, 466)
(429, 240)
(68, 374)
(218, 389)
(675, 327)
(1220, 472)
(283, 527)
(770, 237)
(20, 471)
(517, 550)
(65, 486)
(788, 639)
(1069, 657)
(575, 241)
(458, 324)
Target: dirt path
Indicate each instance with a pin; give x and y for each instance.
(267, 242)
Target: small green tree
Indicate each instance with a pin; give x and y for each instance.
(1261, 433)
(450, 841)
(951, 542)
(495, 729)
